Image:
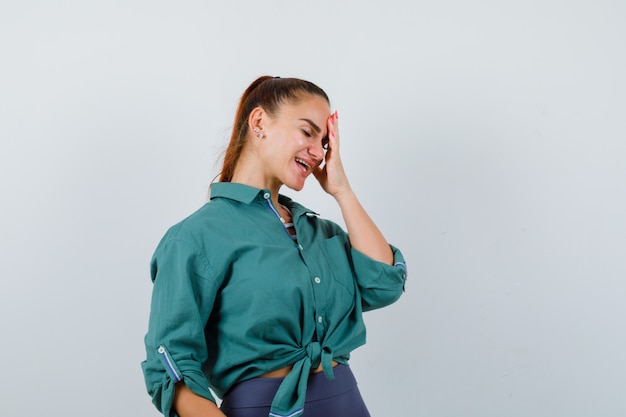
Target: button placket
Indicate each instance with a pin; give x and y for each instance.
(319, 297)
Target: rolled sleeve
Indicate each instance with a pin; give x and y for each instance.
(380, 284)
(182, 300)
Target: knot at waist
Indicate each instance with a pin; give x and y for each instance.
(320, 356)
(289, 399)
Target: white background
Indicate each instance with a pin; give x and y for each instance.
(486, 138)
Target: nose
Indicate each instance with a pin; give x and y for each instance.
(316, 151)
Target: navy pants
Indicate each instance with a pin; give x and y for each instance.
(339, 397)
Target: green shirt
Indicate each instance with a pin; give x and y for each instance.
(235, 297)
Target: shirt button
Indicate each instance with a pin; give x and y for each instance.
(300, 246)
(317, 280)
(266, 196)
(320, 319)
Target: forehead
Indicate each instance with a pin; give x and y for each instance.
(307, 106)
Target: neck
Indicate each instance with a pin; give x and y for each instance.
(250, 172)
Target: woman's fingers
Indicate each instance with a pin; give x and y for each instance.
(333, 132)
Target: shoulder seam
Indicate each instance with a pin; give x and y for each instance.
(203, 259)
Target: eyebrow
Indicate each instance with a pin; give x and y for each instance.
(313, 125)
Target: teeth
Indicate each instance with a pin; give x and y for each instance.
(303, 163)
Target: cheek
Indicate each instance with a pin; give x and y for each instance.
(300, 141)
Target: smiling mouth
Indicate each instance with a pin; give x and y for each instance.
(303, 163)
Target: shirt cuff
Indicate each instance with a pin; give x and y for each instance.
(380, 283)
(166, 373)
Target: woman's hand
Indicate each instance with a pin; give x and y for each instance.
(364, 235)
(331, 176)
(189, 404)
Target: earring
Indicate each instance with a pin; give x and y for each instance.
(258, 134)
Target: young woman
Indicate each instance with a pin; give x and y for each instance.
(256, 296)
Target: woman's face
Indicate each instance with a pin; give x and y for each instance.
(293, 146)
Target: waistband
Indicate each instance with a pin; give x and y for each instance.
(259, 392)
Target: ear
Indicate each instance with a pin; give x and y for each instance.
(256, 121)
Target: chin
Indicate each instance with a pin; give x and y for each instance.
(296, 185)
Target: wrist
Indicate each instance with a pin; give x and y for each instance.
(344, 196)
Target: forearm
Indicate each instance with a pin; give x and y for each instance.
(189, 404)
(363, 233)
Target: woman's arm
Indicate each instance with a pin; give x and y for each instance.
(189, 404)
(364, 235)
(362, 231)
(176, 342)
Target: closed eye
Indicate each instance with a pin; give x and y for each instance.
(307, 133)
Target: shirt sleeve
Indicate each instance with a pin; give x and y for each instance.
(380, 284)
(182, 300)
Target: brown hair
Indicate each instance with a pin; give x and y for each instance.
(269, 93)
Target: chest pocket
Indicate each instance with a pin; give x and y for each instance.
(336, 259)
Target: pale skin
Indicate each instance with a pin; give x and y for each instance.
(290, 150)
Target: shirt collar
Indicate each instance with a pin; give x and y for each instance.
(247, 194)
(235, 191)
